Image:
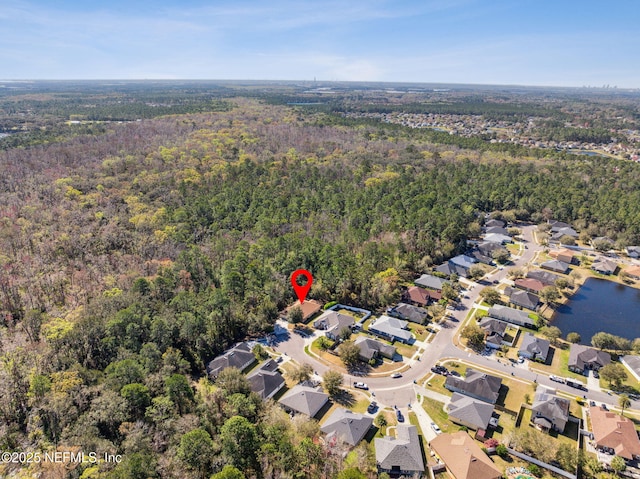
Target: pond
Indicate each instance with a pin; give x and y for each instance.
(601, 305)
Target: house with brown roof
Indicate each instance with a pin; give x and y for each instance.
(614, 433)
(565, 255)
(463, 457)
(633, 272)
(417, 296)
(309, 309)
(529, 284)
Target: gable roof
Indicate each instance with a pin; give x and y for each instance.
(492, 325)
(349, 426)
(529, 283)
(581, 355)
(304, 399)
(534, 345)
(487, 247)
(463, 260)
(470, 411)
(476, 384)
(463, 457)
(402, 452)
(419, 295)
(510, 315)
(266, 380)
(550, 406)
(431, 282)
(334, 322)
(565, 253)
(450, 268)
(391, 327)
(369, 347)
(604, 265)
(614, 431)
(410, 312)
(309, 308)
(240, 356)
(545, 277)
(524, 298)
(497, 238)
(555, 265)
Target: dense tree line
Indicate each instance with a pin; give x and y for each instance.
(129, 259)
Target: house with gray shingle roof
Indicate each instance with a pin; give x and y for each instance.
(534, 348)
(556, 266)
(409, 312)
(333, 323)
(604, 266)
(546, 277)
(239, 357)
(390, 328)
(347, 426)
(469, 412)
(304, 399)
(582, 358)
(494, 330)
(370, 349)
(400, 454)
(549, 411)
(431, 282)
(266, 380)
(522, 298)
(450, 268)
(476, 384)
(511, 315)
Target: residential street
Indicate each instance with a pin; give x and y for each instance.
(389, 391)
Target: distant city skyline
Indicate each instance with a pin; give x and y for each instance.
(528, 42)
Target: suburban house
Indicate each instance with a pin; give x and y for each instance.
(601, 240)
(266, 381)
(583, 358)
(239, 357)
(498, 238)
(409, 312)
(565, 255)
(400, 455)
(633, 251)
(484, 251)
(393, 329)
(416, 296)
(604, 266)
(476, 384)
(493, 222)
(371, 349)
(546, 277)
(309, 308)
(511, 315)
(632, 363)
(463, 457)
(614, 433)
(529, 284)
(469, 412)
(450, 268)
(431, 282)
(304, 400)
(347, 426)
(497, 230)
(633, 272)
(494, 330)
(557, 235)
(333, 323)
(534, 348)
(522, 298)
(549, 411)
(556, 266)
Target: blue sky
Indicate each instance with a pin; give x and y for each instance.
(528, 42)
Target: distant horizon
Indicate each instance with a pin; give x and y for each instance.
(320, 81)
(530, 42)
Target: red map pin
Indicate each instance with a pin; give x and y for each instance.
(301, 291)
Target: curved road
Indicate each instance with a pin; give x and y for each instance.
(400, 391)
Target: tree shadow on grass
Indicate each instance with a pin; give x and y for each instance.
(344, 398)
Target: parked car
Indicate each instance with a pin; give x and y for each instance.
(592, 403)
(396, 375)
(453, 372)
(360, 386)
(435, 428)
(604, 406)
(399, 416)
(556, 379)
(372, 407)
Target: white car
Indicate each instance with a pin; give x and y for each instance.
(360, 386)
(435, 428)
(396, 375)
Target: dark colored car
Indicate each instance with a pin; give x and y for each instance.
(399, 415)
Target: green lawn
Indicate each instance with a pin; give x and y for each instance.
(569, 436)
(435, 410)
(559, 365)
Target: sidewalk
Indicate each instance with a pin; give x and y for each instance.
(423, 418)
